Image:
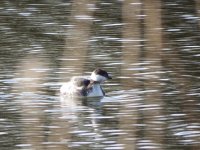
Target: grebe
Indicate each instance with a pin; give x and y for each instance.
(86, 86)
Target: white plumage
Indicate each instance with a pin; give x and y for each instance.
(86, 86)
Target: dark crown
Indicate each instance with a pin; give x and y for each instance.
(102, 73)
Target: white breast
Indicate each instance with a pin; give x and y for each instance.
(96, 91)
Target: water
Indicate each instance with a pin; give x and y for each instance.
(151, 48)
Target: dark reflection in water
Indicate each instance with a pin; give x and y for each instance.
(151, 48)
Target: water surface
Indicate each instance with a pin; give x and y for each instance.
(150, 48)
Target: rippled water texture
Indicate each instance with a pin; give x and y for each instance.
(151, 48)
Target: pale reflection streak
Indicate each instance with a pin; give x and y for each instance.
(131, 41)
(73, 59)
(131, 53)
(152, 86)
(77, 39)
(27, 88)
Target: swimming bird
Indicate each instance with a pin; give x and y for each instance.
(81, 86)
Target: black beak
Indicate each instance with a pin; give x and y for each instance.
(109, 77)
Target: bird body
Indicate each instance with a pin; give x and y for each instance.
(86, 86)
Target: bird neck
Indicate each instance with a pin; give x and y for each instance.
(94, 82)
